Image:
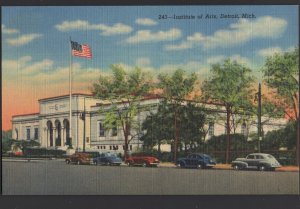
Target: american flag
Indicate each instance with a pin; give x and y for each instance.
(81, 50)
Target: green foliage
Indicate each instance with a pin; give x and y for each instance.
(123, 90)
(191, 123)
(238, 142)
(281, 72)
(177, 86)
(230, 83)
(6, 140)
(159, 126)
(285, 137)
(42, 152)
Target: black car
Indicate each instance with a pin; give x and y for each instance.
(107, 159)
(196, 160)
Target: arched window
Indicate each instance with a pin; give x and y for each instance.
(211, 128)
(17, 134)
(244, 129)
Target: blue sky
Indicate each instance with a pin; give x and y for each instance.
(108, 30)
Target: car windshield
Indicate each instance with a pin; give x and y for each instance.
(110, 155)
(270, 156)
(207, 157)
(93, 154)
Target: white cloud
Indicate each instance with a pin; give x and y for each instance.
(236, 57)
(118, 28)
(245, 30)
(74, 25)
(237, 33)
(6, 30)
(145, 21)
(269, 51)
(142, 62)
(182, 46)
(196, 37)
(43, 73)
(148, 36)
(38, 67)
(24, 66)
(242, 60)
(215, 59)
(23, 39)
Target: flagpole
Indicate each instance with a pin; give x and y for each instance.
(70, 92)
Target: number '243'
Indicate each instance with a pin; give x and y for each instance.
(162, 17)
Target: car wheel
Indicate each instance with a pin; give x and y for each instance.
(144, 164)
(199, 166)
(108, 163)
(262, 168)
(237, 167)
(95, 163)
(181, 165)
(68, 161)
(128, 164)
(272, 169)
(78, 162)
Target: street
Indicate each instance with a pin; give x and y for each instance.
(54, 177)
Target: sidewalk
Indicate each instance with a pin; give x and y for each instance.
(228, 167)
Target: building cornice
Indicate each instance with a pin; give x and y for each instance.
(65, 96)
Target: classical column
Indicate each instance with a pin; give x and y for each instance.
(63, 136)
(45, 135)
(55, 136)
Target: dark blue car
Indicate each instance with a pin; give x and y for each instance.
(107, 159)
(196, 160)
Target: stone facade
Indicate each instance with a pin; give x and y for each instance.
(51, 126)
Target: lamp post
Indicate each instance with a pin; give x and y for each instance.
(259, 116)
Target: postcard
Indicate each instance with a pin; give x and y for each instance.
(150, 100)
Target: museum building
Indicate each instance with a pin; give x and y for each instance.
(51, 125)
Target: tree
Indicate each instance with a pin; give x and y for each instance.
(239, 143)
(192, 119)
(125, 89)
(230, 85)
(175, 89)
(6, 140)
(281, 72)
(158, 127)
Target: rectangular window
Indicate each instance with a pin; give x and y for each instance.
(101, 130)
(114, 131)
(110, 147)
(211, 129)
(36, 133)
(244, 129)
(28, 133)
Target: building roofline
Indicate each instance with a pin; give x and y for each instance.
(65, 95)
(27, 114)
(120, 102)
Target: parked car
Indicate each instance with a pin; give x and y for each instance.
(142, 160)
(107, 159)
(196, 160)
(259, 161)
(79, 158)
